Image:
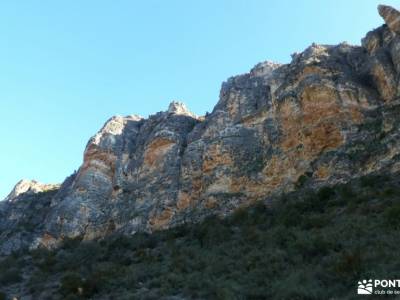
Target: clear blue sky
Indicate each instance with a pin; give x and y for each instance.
(67, 66)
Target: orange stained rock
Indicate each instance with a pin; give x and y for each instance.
(156, 150)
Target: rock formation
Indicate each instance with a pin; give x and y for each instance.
(391, 17)
(22, 214)
(328, 116)
(25, 186)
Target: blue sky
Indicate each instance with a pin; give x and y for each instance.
(67, 66)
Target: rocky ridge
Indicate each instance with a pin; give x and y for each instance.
(25, 186)
(330, 115)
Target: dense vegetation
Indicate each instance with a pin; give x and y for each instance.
(306, 245)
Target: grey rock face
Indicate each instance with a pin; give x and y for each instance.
(22, 220)
(329, 115)
(130, 169)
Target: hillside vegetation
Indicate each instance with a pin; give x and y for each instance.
(305, 245)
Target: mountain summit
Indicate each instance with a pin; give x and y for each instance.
(25, 186)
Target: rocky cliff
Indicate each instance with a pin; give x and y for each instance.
(328, 116)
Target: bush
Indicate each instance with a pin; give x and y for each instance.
(299, 284)
(9, 262)
(346, 194)
(71, 243)
(71, 283)
(325, 193)
(240, 216)
(211, 231)
(37, 279)
(314, 221)
(392, 216)
(301, 181)
(374, 180)
(291, 216)
(312, 203)
(389, 192)
(349, 263)
(10, 276)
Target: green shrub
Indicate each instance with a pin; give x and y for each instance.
(3, 296)
(312, 203)
(7, 263)
(240, 216)
(302, 180)
(314, 221)
(291, 216)
(225, 292)
(325, 193)
(71, 243)
(392, 216)
(211, 231)
(345, 195)
(299, 284)
(71, 283)
(10, 276)
(389, 192)
(374, 180)
(349, 263)
(47, 263)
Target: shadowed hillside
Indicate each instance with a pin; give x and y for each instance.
(309, 244)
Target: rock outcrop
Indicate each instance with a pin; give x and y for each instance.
(328, 116)
(391, 17)
(23, 214)
(25, 186)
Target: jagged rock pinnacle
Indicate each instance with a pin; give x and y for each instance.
(391, 17)
(179, 108)
(264, 68)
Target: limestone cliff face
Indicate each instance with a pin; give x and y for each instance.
(329, 115)
(130, 174)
